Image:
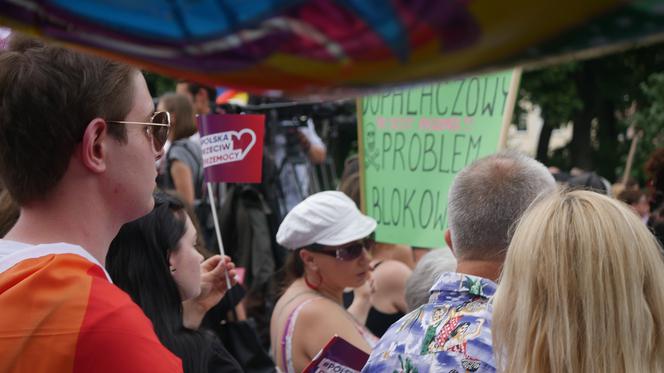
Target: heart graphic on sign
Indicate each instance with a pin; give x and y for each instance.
(232, 147)
(243, 140)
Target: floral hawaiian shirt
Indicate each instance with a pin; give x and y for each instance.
(451, 333)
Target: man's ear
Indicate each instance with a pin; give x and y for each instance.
(93, 146)
(448, 239)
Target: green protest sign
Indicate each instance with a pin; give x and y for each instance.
(414, 141)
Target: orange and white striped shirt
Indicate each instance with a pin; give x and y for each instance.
(60, 312)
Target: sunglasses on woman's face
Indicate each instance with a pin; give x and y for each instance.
(347, 252)
(157, 129)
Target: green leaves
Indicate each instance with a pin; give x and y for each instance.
(600, 95)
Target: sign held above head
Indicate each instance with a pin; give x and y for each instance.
(414, 141)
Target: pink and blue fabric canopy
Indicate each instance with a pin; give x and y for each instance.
(332, 47)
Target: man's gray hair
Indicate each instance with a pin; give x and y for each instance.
(425, 274)
(488, 197)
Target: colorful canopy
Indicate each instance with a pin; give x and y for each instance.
(331, 47)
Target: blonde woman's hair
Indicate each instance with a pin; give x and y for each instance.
(582, 290)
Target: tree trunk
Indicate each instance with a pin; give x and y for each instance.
(543, 143)
(580, 146)
(607, 134)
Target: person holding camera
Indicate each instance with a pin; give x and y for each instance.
(295, 148)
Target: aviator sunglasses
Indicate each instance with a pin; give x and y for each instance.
(157, 128)
(347, 252)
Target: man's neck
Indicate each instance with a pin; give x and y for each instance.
(489, 269)
(80, 222)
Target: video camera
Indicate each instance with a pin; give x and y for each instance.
(281, 118)
(285, 117)
(289, 128)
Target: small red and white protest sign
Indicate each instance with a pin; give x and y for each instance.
(232, 147)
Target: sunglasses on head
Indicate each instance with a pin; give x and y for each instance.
(157, 128)
(347, 252)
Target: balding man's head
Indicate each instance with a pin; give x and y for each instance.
(488, 197)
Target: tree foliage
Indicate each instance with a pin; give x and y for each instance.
(649, 120)
(597, 96)
(554, 92)
(158, 84)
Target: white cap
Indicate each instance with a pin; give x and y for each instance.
(328, 218)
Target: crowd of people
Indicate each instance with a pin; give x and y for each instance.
(108, 262)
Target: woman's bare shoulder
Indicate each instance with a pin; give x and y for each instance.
(320, 307)
(321, 320)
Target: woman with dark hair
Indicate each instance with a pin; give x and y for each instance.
(329, 239)
(154, 259)
(8, 212)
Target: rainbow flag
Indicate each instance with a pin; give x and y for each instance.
(60, 312)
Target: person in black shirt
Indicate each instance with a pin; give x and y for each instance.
(154, 259)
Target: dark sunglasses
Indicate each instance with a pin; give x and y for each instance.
(348, 252)
(157, 129)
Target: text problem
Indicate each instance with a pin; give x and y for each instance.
(414, 141)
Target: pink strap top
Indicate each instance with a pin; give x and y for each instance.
(287, 338)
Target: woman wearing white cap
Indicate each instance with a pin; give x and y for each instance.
(328, 238)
